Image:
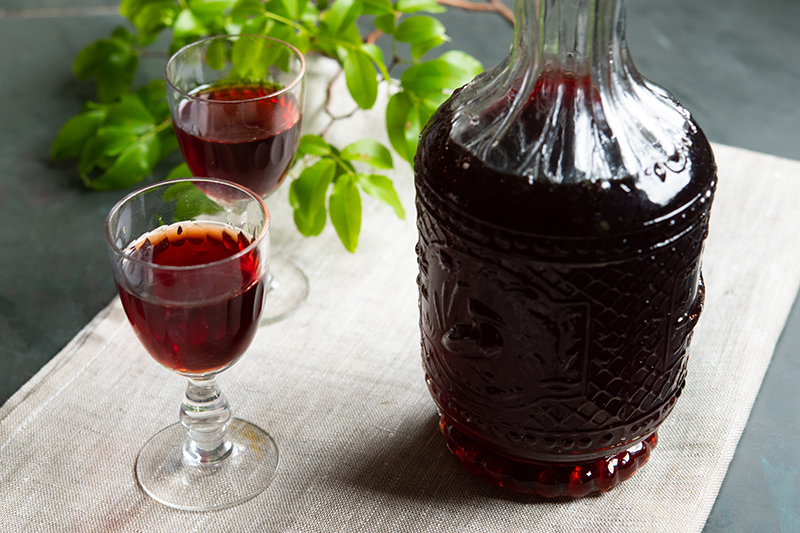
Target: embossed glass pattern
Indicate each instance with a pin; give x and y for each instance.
(562, 202)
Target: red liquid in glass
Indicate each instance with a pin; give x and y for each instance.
(220, 323)
(555, 317)
(223, 133)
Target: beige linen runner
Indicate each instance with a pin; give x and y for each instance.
(340, 387)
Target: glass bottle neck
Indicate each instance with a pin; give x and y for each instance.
(567, 103)
(567, 34)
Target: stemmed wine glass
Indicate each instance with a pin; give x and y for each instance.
(237, 105)
(190, 259)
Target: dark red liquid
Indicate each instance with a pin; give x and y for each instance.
(555, 318)
(222, 318)
(224, 133)
(551, 480)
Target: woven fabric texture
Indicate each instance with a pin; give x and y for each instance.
(340, 387)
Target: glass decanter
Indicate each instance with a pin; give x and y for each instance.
(563, 201)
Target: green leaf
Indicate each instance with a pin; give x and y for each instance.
(417, 118)
(307, 196)
(350, 34)
(180, 171)
(313, 145)
(127, 124)
(153, 150)
(418, 29)
(368, 151)
(122, 35)
(112, 61)
(231, 28)
(288, 34)
(345, 208)
(405, 118)
(106, 143)
(294, 8)
(90, 60)
(341, 14)
(343, 166)
(115, 139)
(377, 7)
(432, 101)
(131, 166)
(189, 200)
(385, 23)
(414, 6)
(245, 58)
(153, 17)
(374, 52)
(252, 57)
(129, 8)
(154, 97)
(257, 25)
(169, 142)
(421, 48)
(187, 24)
(397, 123)
(133, 8)
(217, 55)
(208, 9)
(276, 7)
(471, 66)
(246, 8)
(116, 79)
(381, 187)
(75, 132)
(434, 76)
(131, 113)
(311, 12)
(360, 77)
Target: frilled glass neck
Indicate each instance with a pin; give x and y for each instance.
(567, 104)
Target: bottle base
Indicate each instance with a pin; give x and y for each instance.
(551, 480)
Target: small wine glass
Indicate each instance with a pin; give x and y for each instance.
(237, 106)
(190, 259)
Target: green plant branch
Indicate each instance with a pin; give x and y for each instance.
(343, 165)
(490, 5)
(124, 136)
(288, 22)
(166, 123)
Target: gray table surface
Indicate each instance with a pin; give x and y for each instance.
(733, 63)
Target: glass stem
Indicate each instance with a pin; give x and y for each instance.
(205, 413)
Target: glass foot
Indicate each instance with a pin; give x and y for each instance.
(288, 289)
(240, 476)
(551, 480)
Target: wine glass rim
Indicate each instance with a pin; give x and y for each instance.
(286, 88)
(155, 266)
